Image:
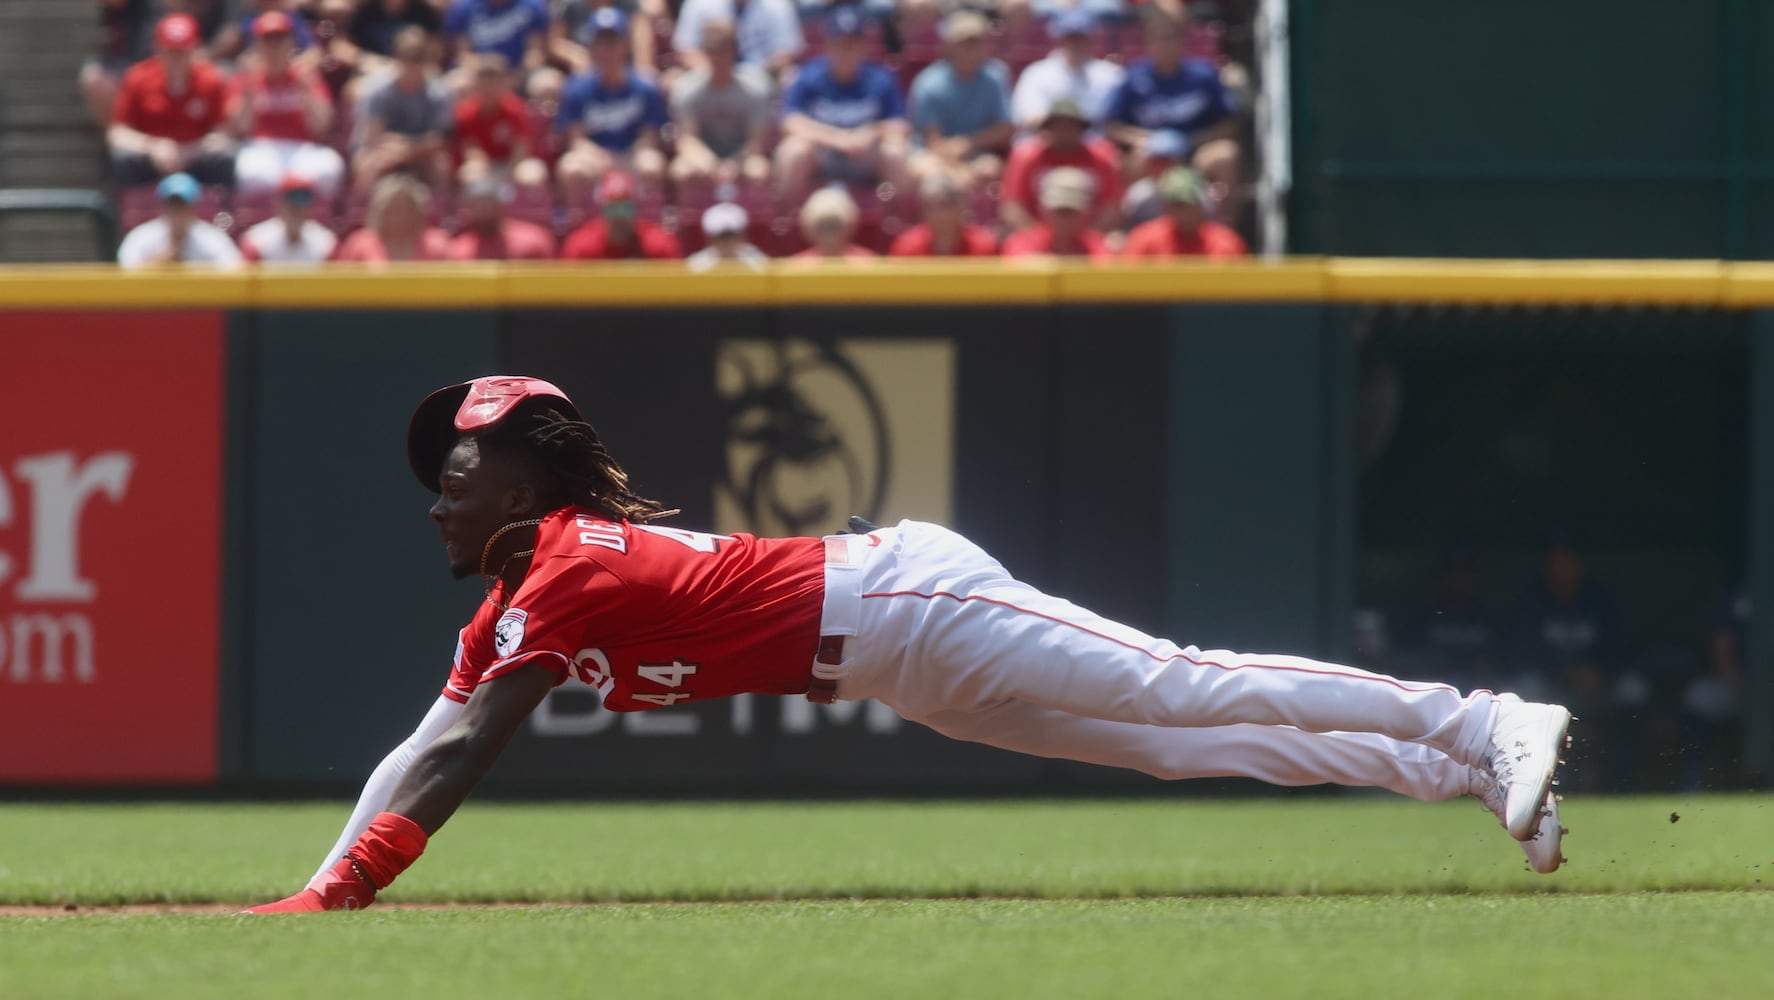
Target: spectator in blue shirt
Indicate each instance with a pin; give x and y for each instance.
(610, 117)
(961, 108)
(516, 29)
(844, 116)
(1167, 91)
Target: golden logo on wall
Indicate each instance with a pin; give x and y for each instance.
(817, 431)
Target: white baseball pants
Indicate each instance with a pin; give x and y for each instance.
(939, 631)
(262, 164)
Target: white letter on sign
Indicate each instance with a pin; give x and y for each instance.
(59, 492)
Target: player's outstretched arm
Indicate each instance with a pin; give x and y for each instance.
(438, 782)
(379, 789)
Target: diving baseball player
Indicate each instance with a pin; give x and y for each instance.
(581, 584)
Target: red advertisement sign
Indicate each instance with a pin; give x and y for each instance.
(110, 546)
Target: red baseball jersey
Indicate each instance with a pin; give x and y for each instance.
(1031, 159)
(146, 103)
(653, 616)
(1160, 238)
(591, 241)
(920, 241)
(276, 102)
(494, 131)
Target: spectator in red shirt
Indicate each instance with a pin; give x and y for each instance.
(828, 220)
(396, 228)
(1060, 143)
(943, 233)
(492, 135)
(168, 116)
(1184, 229)
(616, 234)
(1064, 229)
(488, 235)
(286, 111)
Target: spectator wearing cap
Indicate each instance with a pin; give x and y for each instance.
(128, 28)
(492, 130)
(724, 225)
(570, 31)
(1167, 91)
(768, 32)
(610, 116)
(291, 237)
(828, 221)
(516, 29)
(1067, 194)
(943, 233)
(396, 228)
(236, 41)
(844, 116)
(721, 110)
(404, 118)
(1070, 72)
(177, 235)
(1184, 230)
(1142, 203)
(960, 106)
(170, 113)
(617, 234)
(283, 112)
(1061, 142)
(488, 234)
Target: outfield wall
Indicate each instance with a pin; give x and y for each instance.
(268, 606)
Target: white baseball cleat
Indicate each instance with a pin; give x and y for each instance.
(1523, 755)
(1545, 848)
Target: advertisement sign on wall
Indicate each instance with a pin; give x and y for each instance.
(110, 526)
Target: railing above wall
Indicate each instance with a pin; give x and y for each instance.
(1715, 284)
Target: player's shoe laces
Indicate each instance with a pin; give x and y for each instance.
(1545, 849)
(1523, 756)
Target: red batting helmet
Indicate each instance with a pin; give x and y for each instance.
(452, 411)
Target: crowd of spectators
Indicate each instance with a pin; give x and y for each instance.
(724, 131)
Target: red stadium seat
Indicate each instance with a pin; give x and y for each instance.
(533, 205)
(252, 209)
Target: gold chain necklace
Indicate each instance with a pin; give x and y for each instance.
(484, 553)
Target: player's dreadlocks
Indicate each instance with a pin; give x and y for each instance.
(570, 451)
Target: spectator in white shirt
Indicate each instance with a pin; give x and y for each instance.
(291, 237)
(769, 32)
(724, 225)
(177, 235)
(1068, 72)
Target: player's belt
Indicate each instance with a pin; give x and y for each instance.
(824, 690)
(838, 616)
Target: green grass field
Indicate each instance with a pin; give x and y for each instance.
(1357, 897)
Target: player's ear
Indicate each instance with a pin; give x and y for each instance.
(521, 499)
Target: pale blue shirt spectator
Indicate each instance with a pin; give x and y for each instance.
(950, 104)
